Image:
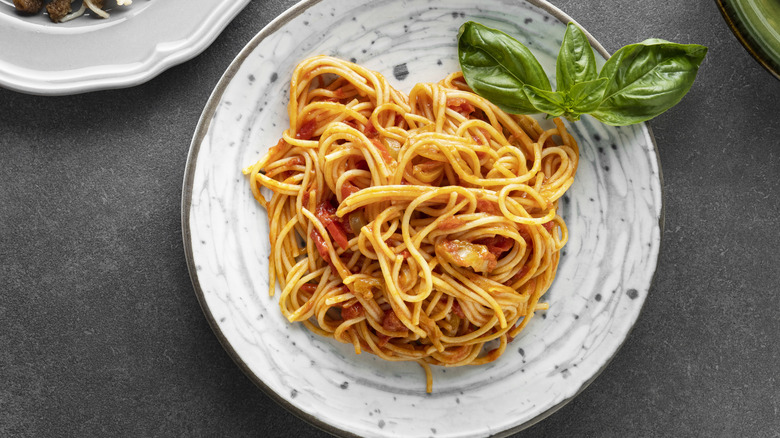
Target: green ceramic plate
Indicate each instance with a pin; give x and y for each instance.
(756, 23)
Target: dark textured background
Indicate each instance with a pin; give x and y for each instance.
(101, 333)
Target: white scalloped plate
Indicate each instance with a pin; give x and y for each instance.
(135, 44)
(613, 211)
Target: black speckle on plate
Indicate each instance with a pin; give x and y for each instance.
(400, 71)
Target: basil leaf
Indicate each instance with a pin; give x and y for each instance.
(586, 96)
(581, 99)
(497, 67)
(646, 79)
(550, 102)
(576, 62)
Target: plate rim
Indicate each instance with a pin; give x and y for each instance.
(201, 130)
(213, 23)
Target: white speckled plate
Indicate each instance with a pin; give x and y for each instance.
(133, 45)
(614, 214)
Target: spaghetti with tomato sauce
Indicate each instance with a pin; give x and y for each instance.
(419, 227)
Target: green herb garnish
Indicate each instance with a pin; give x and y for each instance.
(637, 83)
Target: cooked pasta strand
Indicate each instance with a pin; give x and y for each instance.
(417, 228)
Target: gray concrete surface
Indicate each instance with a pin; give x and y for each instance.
(101, 333)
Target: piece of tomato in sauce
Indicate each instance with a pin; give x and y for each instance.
(351, 312)
(460, 105)
(308, 288)
(383, 151)
(348, 188)
(485, 206)
(497, 244)
(457, 310)
(297, 160)
(326, 213)
(391, 323)
(307, 130)
(450, 223)
(383, 339)
(370, 130)
(320, 244)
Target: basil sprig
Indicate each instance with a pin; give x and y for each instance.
(639, 82)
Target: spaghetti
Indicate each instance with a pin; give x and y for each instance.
(417, 228)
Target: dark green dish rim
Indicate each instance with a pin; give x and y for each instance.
(748, 40)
